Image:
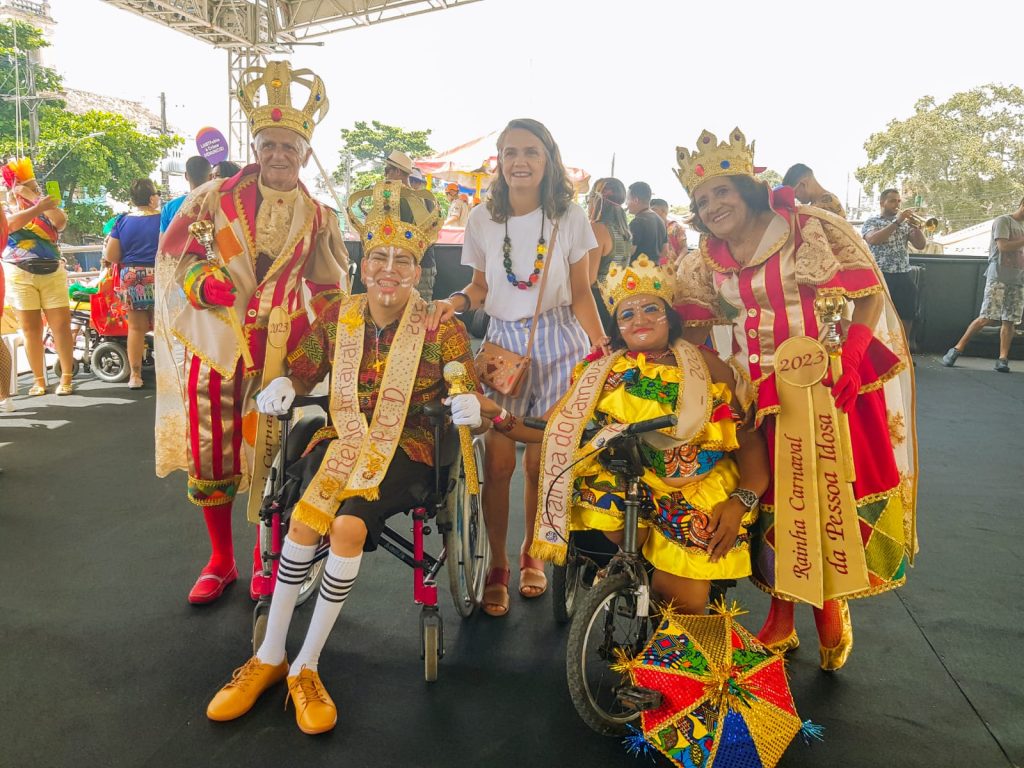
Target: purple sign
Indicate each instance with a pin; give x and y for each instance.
(212, 145)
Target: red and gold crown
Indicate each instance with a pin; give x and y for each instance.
(642, 276)
(276, 80)
(712, 158)
(383, 225)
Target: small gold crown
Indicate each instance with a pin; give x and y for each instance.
(276, 80)
(713, 158)
(383, 225)
(642, 276)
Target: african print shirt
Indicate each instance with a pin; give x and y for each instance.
(891, 256)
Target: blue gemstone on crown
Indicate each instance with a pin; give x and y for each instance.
(724, 164)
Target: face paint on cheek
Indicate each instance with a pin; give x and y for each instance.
(405, 282)
(369, 281)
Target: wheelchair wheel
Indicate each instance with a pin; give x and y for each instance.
(466, 540)
(57, 370)
(566, 583)
(110, 362)
(312, 583)
(260, 615)
(432, 642)
(606, 625)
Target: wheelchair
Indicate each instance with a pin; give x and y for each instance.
(448, 507)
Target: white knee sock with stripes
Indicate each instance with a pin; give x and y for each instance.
(339, 576)
(292, 570)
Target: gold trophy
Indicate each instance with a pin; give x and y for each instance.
(202, 231)
(460, 384)
(829, 309)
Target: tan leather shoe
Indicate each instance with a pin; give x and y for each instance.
(247, 683)
(314, 710)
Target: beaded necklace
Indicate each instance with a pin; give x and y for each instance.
(538, 264)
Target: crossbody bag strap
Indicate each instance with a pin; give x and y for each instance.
(540, 288)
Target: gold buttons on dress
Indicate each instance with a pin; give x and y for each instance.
(752, 333)
(251, 313)
(751, 312)
(755, 359)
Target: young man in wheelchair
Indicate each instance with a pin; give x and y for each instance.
(703, 477)
(386, 365)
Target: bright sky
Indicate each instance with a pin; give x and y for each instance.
(808, 81)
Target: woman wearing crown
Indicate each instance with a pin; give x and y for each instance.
(839, 520)
(382, 445)
(271, 242)
(704, 475)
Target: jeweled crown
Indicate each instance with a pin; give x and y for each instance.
(383, 225)
(277, 110)
(712, 158)
(642, 276)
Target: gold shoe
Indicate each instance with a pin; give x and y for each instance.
(247, 683)
(36, 389)
(314, 709)
(789, 643)
(835, 657)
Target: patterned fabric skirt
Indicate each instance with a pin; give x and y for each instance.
(135, 288)
(676, 518)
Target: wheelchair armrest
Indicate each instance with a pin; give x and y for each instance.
(323, 401)
(435, 411)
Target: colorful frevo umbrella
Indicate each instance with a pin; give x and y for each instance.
(724, 698)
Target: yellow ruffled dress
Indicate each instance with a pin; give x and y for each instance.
(638, 389)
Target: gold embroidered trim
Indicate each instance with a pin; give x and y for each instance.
(224, 372)
(878, 589)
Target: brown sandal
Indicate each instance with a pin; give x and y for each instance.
(495, 599)
(533, 582)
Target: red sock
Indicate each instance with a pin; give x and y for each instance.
(829, 621)
(779, 623)
(218, 525)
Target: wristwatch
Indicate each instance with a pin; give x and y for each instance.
(747, 498)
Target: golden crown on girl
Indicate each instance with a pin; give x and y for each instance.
(642, 276)
(277, 111)
(712, 158)
(383, 225)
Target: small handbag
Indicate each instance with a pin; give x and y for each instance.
(502, 370)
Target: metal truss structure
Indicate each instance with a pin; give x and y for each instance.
(251, 30)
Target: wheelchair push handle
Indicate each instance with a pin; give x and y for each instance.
(647, 425)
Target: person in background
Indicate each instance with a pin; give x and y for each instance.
(197, 172)
(458, 208)
(416, 179)
(1004, 288)
(35, 274)
(676, 233)
(225, 169)
(809, 192)
(508, 244)
(398, 167)
(887, 235)
(608, 220)
(647, 229)
(131, 249)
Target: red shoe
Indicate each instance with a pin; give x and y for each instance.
(209, 586)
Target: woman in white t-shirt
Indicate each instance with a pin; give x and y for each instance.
(530, 192)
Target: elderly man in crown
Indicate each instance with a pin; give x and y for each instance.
(388, 356)
(824, 368)
(243, 266)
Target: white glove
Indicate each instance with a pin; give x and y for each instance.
(277, 397)
(465, 411)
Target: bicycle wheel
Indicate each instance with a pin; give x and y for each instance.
(606, 621)
(466, 544)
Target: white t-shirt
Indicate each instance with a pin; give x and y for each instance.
(481, 250)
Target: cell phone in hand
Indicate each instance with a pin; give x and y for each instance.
(53, 190)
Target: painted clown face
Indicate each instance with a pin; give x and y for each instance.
(643, 323)
(390, 275)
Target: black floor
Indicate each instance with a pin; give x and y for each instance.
(104, 663)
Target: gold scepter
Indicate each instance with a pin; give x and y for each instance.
(202, 231)
(830, 309)
(460, 384)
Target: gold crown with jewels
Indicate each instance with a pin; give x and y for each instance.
(276, 80)
(712, 158)
(382, 225)
(642, 276)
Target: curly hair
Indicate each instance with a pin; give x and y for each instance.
(753, 192)
(556, 191)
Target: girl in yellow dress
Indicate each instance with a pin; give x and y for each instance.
(703, 476)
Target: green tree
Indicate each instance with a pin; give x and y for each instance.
(18, 41)
(773, 177)
(960, 160)
(368, 144)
